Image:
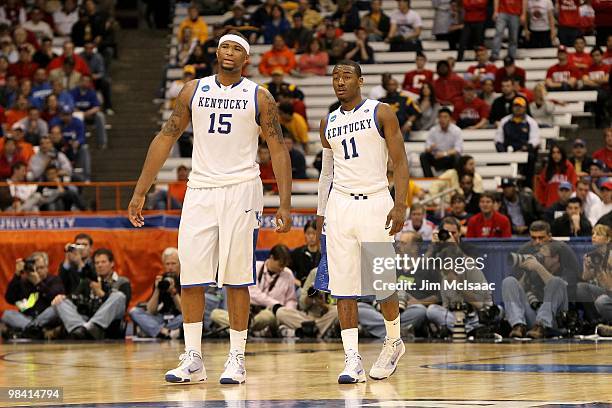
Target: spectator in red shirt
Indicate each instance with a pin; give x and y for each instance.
(413, 80)
(569, 21)
(597, 78)
(603, 21)
(509, 71)
(9, 156)
(607, 57)
(470, 111)
(561, 76)
(483, 70)
(605, 153)
(510, 14)
(266, 172)
(488, 223)
(80, 65)
(557, 170)
(449, 85)
(580, 60)
(24, 68)
(280, 56)
(474, 17)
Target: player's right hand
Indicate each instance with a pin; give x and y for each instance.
(395, 219)
(135, 210)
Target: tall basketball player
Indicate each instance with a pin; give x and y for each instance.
(357, 208)
(224, 201)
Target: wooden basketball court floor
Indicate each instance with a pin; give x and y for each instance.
(296, 374)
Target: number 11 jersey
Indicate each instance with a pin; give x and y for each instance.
(225, 123)
(359, 149)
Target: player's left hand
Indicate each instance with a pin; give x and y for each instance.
(135, 210)
(396, 218)
(283, 220)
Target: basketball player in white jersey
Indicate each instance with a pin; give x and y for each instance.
(224, 201)
(357, 208)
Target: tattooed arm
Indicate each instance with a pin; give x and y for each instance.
(159, 149)
(281, 163)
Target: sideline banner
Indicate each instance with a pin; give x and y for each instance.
(137, 251)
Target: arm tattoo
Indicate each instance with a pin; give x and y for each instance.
(271, 122)
(172, 128)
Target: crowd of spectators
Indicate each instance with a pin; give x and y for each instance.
(49, 98)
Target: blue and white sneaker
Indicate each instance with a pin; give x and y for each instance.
(234, 372)
(387, 360)
(353, 369)
(190, 370)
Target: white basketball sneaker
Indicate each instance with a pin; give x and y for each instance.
(353, 369)
(387, 361)
(234, 373)
(191, 369)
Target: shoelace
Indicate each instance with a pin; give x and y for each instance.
(386, 353)
(352, 361)
(234, 359)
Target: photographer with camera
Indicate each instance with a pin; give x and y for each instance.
(162, 316)
(32, 289)
(77, 263)
(412, 303)
(274, 289)
(47, 156)
(596, 291)
(476, 305)
(544, 277)
(95, 304)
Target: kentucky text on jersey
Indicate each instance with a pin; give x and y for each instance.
(349, 128)
(207, 102)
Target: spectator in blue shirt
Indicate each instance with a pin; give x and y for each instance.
(63, 96)
(41, 87)
(73, 132)
(72, 127)
(86, 101)
(98, 73)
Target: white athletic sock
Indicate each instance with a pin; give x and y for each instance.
(238, 340)
(193, 337)
(393, 328)
(350, 340)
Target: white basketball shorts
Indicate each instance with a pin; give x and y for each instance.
(218, 234)
(351, 221)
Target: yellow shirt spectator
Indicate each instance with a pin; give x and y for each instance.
(199, 28)
(414, 191)
(294, 123)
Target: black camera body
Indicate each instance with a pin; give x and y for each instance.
(443, 235)
(29, 265)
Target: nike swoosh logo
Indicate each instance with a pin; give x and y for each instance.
(246, 211)
(193, 371)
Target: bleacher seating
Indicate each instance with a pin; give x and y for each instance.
(478, 143)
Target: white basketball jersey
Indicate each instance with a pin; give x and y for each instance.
(225, 133)
(359, 149)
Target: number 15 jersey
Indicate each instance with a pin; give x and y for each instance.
(359, 149)
(225, 123)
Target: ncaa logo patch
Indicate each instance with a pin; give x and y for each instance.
(366, 111)
(332, 118)
(245, 90)
(205, 88)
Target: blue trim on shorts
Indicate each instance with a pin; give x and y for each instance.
(346, 297)
(198, 284)
(255, 235)
(322, 277)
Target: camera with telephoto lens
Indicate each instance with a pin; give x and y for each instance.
(443, 235)
(29, 265)
(74, 247)
(516, 259)
(164, 284)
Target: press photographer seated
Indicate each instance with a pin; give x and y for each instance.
(161, 317)
(32, 289)
(455, 296)
(95, 304)
(544, 276)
